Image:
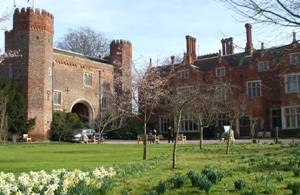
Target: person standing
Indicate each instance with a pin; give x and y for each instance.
(170, 134)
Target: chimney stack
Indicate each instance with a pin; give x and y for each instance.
(227, 46)
(223, 47)
(294, 37)
(249, 44)
(172, 59)
(190, 49)
(231, 47)
(150, 62)
(262, 46)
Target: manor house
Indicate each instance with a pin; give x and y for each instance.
(269, 78)
(55, 79)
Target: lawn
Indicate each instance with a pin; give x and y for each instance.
(264, 167)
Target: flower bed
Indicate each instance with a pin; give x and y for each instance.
(58, 181)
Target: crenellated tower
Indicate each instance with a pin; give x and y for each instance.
(121, 58)
(32, 35)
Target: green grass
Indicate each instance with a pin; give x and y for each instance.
(25, 157)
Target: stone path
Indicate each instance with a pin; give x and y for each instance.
(240, 141)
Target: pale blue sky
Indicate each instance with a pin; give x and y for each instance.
(156, 28)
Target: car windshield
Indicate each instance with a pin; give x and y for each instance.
(88, 131)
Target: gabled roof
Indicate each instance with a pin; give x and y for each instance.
(239, 59)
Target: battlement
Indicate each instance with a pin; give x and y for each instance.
(33, 19)
(120, 42)
(30, 11)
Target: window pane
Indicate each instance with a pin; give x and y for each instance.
(254, 88)
(57, 97)
(292, 83)
(87, 79)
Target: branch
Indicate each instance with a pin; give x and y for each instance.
(288, 10)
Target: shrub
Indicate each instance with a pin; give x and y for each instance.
(296, 171)
(239, 184)
(212, 174)
(178, 180)
(279, 178)
(161, 188)
(295, 187)
(200, 181)
(17, 122)
(204, 184)
(64, 124)
(193, 176)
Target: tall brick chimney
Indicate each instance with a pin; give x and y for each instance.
(294, 37)
(230, 46)
(249, 44)
(227, 46)
(190, 49)
(223, 47)
(172, 59)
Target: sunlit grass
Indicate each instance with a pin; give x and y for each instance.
(25, 157)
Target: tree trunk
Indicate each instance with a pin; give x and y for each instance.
(175, 142)
(201, 137)
(228, 143)
(276, 135)
(145, 139)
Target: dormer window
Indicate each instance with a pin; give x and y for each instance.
(295, 58)
(184, 75)
(263, 66)
(220, 71)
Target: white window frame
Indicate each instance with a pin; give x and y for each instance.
(84, 83)
(283, 117)
(218, 71)
(186, 122)
(264, 64)
(247, 87)
(297, 83)
(184, 74)
(164, 119)
(291, 58)
(187, 92)
(61, 98)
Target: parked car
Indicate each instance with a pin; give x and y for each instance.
(87, 133)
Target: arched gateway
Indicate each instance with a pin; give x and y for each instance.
(84, 110)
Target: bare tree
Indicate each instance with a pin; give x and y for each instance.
(279, 12)
(232, 104)
(118, 109)
(116, 102)
(85, 41)
(181, 101)
(3, 97)
(4, 17)
(150, 84)
(205, 106)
